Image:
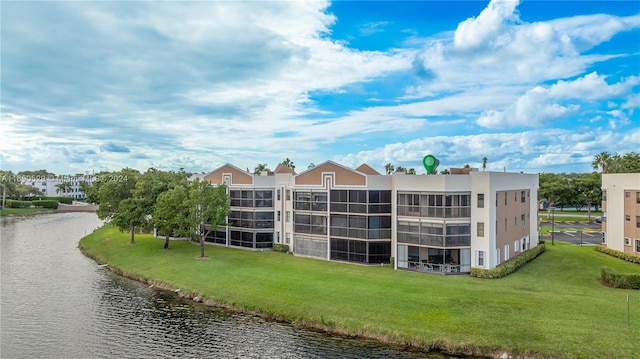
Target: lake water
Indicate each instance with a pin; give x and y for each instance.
(57, 303)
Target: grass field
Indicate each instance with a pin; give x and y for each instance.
(553, 306)
(8, 211)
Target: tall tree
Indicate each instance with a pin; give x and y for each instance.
(484, 163)
(287, 162)
(129, 216)
(171, 213)
(388, 168)
(601, 160)
(411, 171)
(261, 167)
(401, 169)
(209, 207)
(114, 188)
(154, 182)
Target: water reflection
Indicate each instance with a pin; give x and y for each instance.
(57, 303)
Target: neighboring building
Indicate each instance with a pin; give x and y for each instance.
(621, 211)
(52, 186)
(437, 223)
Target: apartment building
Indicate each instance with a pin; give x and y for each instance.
(432, 223)
(51, 186)
(621, 211)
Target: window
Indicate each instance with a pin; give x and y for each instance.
(278, 217)
(480, 259)
(278, 237)
(638, 197)
(287, 238)
(498, 256)
(522, 200)
(604, 196)
(637, 245)
(506, 252)
(523, 221)
(637, 221)
(278, 196)
(627, 195)
(627, 218)
(516, 246)
(288, 216)
(627, 242)
(505, 198)
(480, 229)
(480, 200)
(505, 224)
(288, 195)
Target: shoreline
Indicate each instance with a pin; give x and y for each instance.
(458, 316)
(446, 349)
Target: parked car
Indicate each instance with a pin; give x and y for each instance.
(598, 219)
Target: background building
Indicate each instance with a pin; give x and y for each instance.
(621, 211)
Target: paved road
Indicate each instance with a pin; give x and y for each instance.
(584, 238)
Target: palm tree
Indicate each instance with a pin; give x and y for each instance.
(601, 160)
(261, 167)
(411, 171)
(401, 169)
(287, 162)
(388, 168)
(484, 163)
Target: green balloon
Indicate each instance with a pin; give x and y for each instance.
(430, 163)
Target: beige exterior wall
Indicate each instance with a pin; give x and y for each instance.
(343, 176)
(618, 207)
(238, 176)
(510, 227)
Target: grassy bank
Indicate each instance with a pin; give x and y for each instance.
(21, 211)
(554, 306)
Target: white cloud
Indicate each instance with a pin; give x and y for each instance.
(527, 151)
(540, 105)
(486, 29)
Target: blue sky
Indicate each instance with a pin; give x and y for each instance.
(535, 86)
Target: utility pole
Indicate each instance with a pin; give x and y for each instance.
(4, 194)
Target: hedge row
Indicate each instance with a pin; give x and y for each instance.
(620, 280)
(509, 266)
(281, 248)
(65, 200)
(10, 203)
(622, 255)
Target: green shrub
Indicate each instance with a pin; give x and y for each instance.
(622, 255)
(509, 266)
(46, 204)
(10, 203)
(281, 248)
(620, 280)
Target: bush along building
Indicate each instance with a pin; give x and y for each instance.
(442, 224)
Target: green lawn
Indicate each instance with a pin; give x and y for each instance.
(553, 306)
(8, 211)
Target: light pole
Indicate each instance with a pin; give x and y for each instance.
(553, 224)
(4, 192)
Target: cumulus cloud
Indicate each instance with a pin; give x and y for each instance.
(487, 29)
(540, 105)
(527, 151)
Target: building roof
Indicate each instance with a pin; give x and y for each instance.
(284, 169)
(368, 170)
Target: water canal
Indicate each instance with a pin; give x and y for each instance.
(56, 303)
